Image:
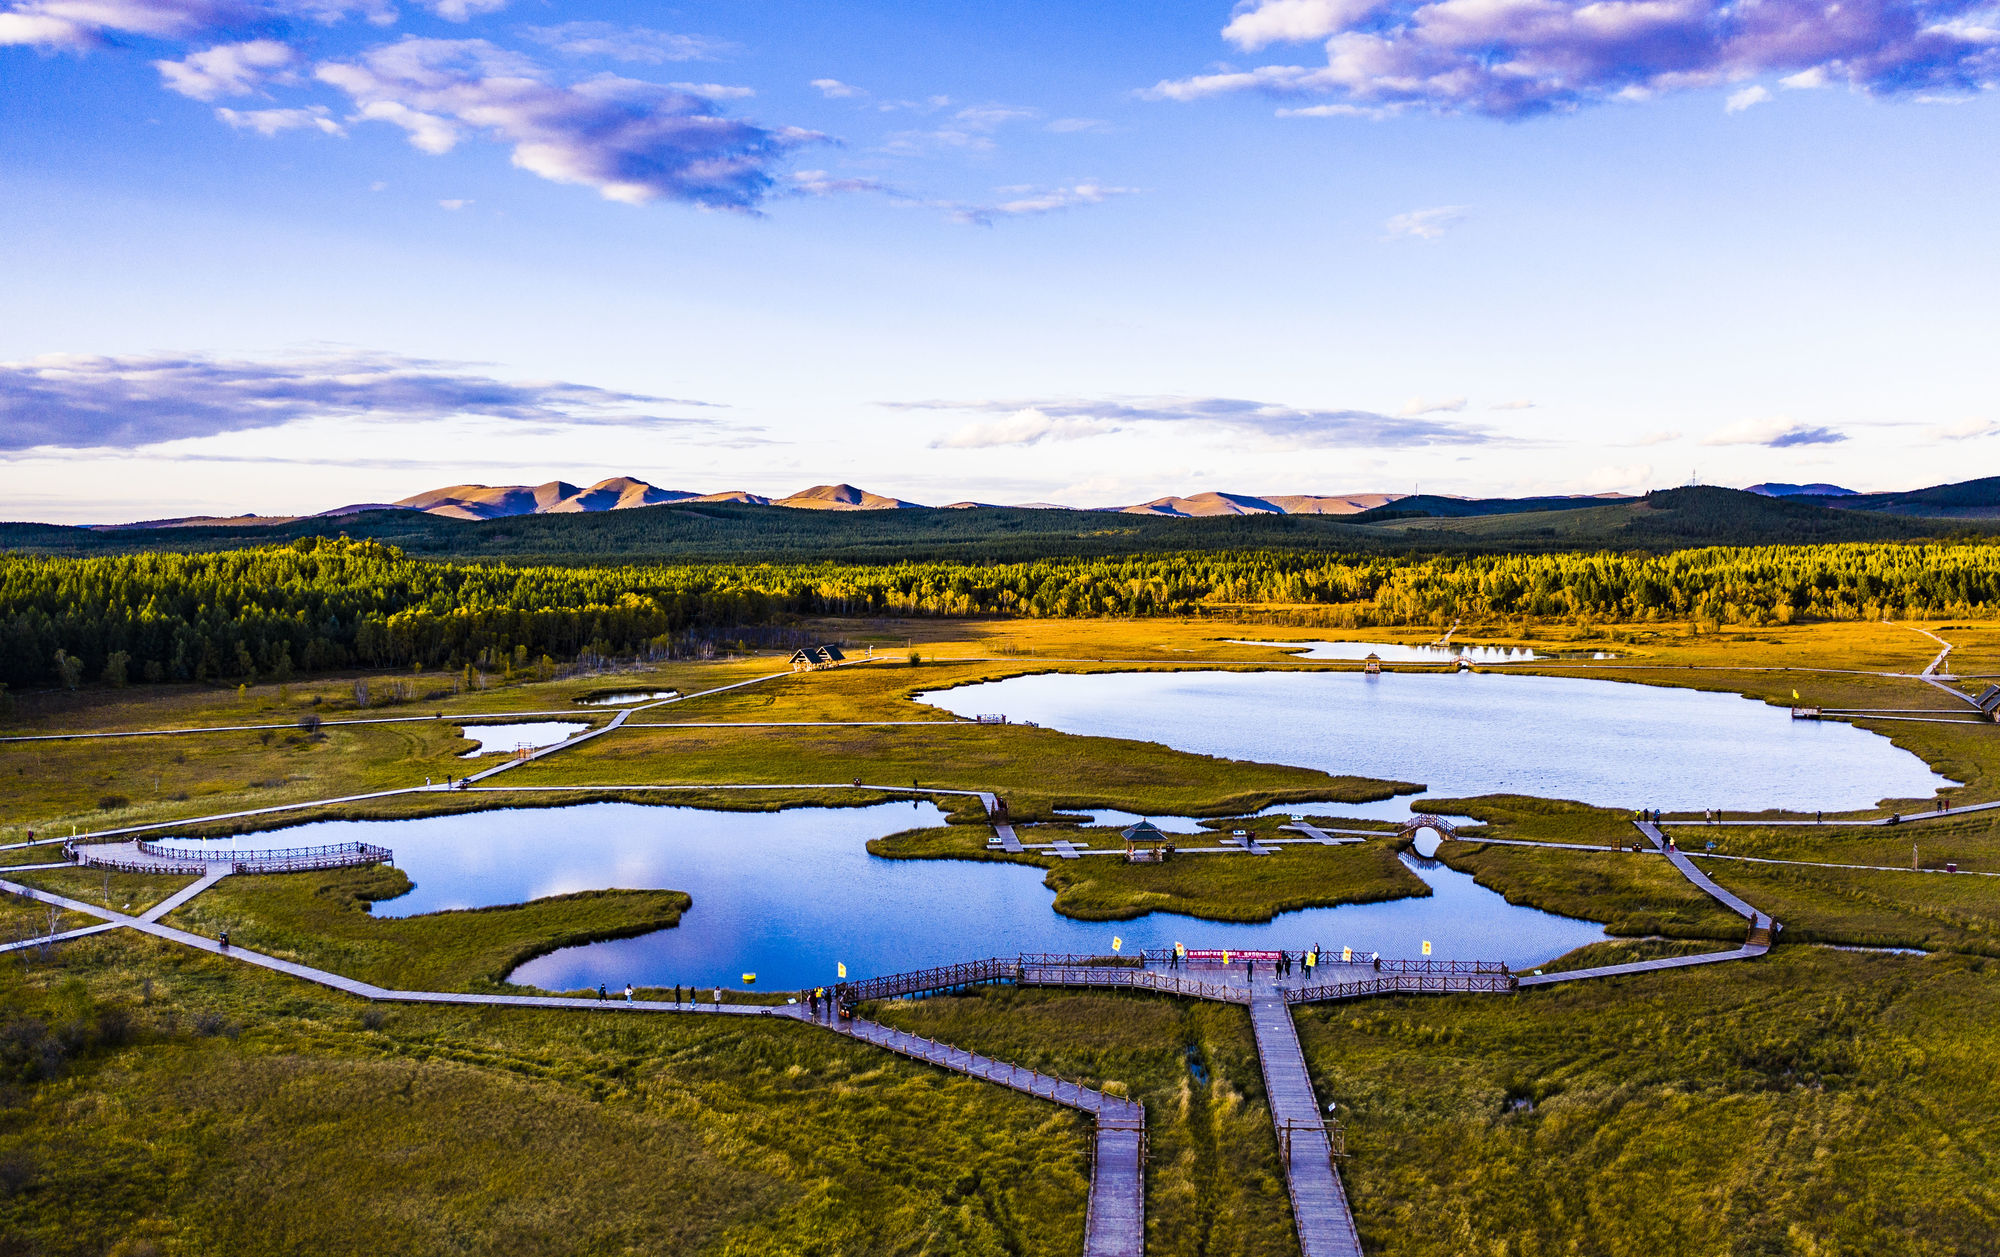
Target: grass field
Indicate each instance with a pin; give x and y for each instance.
(1811, 1103)
(1211, 887)
(207, 1108)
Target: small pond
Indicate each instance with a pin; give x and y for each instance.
(787, 895)
(1399, 652)
(1600, 742)
(627, 696)
(505, 739)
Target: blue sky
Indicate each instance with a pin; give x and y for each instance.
(279, 255)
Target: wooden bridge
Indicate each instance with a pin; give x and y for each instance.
(150, 857)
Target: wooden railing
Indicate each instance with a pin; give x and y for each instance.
(161, 859)
(1141, 979)
(1480, 981)
(918, 981)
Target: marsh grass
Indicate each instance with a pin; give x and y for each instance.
(138, 890)
(1212, 887)
(1038, 771)
(323, 920)
(202, 1107)
(1812, 1102)
(1214, 1182)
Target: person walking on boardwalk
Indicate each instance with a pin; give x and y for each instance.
(602, 994)
(812, 1002)
(677, 992)
(628, 992)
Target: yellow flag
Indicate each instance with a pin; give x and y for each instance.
(1117, 943)
(1347, 955)
(841, 966)
(1427, 947)
(1180, 951)
(1225, 955)
(749, 979)
(1795, 694)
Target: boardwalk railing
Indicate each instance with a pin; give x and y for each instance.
(1488, 981)
(918, 981)
(176, 865)
(1141, 979)
(160, 859)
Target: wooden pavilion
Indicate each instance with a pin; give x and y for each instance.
(1145, 843)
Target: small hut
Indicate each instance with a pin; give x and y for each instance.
(1146, 844)
(1373, 664)
(808, 658)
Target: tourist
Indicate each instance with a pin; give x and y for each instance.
(677, 992)
(602, 994)
(1707, 816)
(718, 997)
(225, 940)
(628, 992)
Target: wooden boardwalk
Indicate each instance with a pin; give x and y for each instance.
(1115, 1221)
(1319, 1202)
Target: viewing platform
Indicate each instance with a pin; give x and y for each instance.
(144, 856)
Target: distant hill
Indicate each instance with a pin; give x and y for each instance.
(1775, 489)
(1970, 499)
(843, 497)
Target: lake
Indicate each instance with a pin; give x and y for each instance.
(787, 895)
(1600, 742)
(504, 739)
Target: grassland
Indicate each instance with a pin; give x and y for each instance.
(1215, 1184)
(1813, 1102)
(206, 1108)
(1211, 887)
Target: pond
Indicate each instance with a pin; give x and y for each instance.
(1600, 742)
(505, 739)
(787, 895)
(626, 696)
(1399, 652)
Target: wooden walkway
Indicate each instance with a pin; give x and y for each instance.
(1319, 1202)
(1115, 1220)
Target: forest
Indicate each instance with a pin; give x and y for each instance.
(319, 604)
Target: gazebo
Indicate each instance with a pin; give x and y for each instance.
(1373, 664)
(1146, 844)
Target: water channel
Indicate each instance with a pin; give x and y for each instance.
(505, 739)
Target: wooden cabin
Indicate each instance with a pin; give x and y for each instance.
(808, 658)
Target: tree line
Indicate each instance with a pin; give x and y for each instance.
(320, 604)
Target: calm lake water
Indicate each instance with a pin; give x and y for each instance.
(502, 739)
(787, 895)
(1600, 742)
(630, 696)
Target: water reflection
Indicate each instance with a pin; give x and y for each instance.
(505, 739)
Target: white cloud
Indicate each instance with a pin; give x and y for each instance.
(1774, 434)
(1657, 438)
(1032, 422)
(1519, 403)
(715, 91)
(270, 122)
(638, 44)
(1425, 224)
(1740, 100)
(1519, 58)
(630, 141)
(226, 69)
(77, 402)
(454, 203)
(1424, 406)
(80, 24)
(1805, 80)
(1027, 202)
(463, 10)
(1071, 126)
(1966, 430)
(834, 89)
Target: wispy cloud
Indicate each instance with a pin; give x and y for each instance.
(80, 24)
(1755, 94)
(226, 69)
(1774, 434)
(1028, 202)
(1425, 224)
(92, 402)
(834, 89)
(1515, 58)
(637, 44)
(1656, 438)
(1966, 430)
(630, 141)
(1519, 403)
(1428, 406)
(270, 122)
(1038, 421)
